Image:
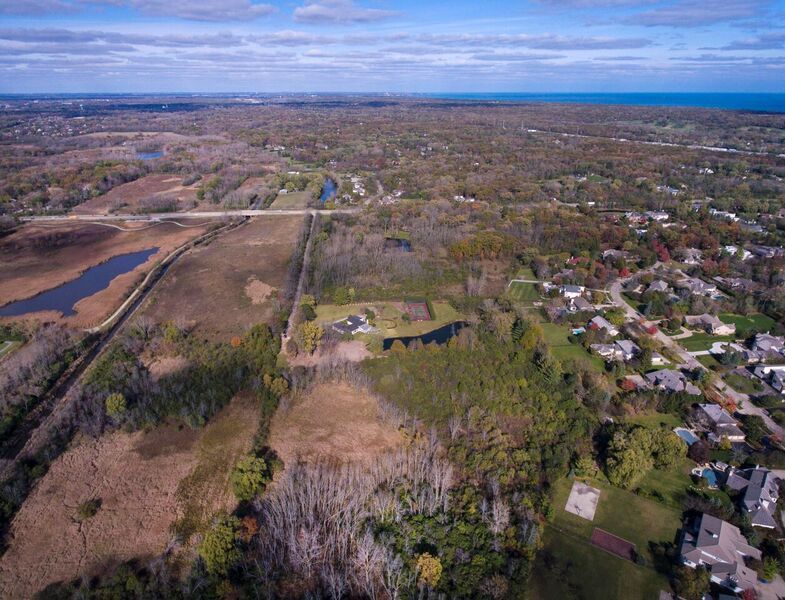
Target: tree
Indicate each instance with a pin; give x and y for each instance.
(691, 584)
(699, 451)
(310, 334)
(429, 570)
(249, 478)
(219, 549)
(667, 448)
(629, 457)
(115, 405)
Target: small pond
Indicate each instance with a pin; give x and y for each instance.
(440, 336)
(329, 190)
(64, 297)
(397, 244)
(149, 155)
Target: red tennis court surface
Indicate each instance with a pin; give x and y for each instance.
(418, 311)
(613, 544)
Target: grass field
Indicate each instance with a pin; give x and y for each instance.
(525, 273)
(709, 361)
(568, 566)
(655, 419)
(523, 292)
(389, 319)
(291, 200)
(746, 325)
(703, 341)
(556, 336)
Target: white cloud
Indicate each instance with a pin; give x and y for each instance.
(339, 11)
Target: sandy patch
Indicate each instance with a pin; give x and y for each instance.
(167, 365)
(334, 421)
(353, 351)
(583, 500)
(258, 291)
(147, 483)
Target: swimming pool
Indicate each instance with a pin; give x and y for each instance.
(710, 476)
(685, 434)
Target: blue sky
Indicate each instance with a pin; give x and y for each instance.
(392, 46)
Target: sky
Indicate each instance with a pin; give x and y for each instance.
(411, 46)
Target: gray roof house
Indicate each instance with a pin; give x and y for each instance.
(698, 286)
(572, 291)
(599, 322)
(722, 548)
(658, 286)
(768, 343)
(672, 380)
(718, 422)
(352, 325)
(711, 324)
(760, 494)
(580, 304)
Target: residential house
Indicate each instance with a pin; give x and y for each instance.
(691, 256)
(734, 251)
(739, 284)
(767, 251)
(721, 548)
(724, 214)
(774, 375)
(657, 215)
(572, 291)
(698, 287)
(658, 286)
(718, 422)
(671, 380)
(353, 325)
(624, 350)
(769, 344)
(600, 322)
(580, 304)
(710, 324)
(759, 491)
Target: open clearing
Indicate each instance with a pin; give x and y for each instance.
(130, 197)
(148, 484)
(334, 421)
(232, 283)
(291, 200)
(38, 257)
(583, 500)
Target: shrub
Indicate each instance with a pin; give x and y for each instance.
(429, 569)
(115, 405)
(88, 509)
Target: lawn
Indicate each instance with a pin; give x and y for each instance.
(569, 567)
(556, 337)
(703, 341)
(708, 361)
(389, 320)
(745, 385)
(523, 292)
(655, 419)
(746, 325)
(525, 273)
(291, 200)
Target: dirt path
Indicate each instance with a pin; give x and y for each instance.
(139, 479)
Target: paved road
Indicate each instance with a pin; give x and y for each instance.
(218, 214)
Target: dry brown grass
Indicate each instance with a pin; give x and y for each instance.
(209, 285)
(39, 257)
(334, 421)
(148, 484)
(129, 195)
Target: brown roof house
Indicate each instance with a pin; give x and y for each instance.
(721, 548)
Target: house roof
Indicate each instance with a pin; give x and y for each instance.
(602, 323)
(658, 286)
(717, 414)
(573, 289)
(582, 304)
(673, 381)
(628, 346)
(721, 546)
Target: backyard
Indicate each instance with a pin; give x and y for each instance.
(556, 336)
(389, 316)
(699, 341)
(746, 326)
(744, 384)
(523, 292)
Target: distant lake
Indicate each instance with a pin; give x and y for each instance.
(440, 336)
(328, 190)
(754, 102)
(149, 155)
(64, 297)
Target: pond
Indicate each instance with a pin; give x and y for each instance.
(440, 336)
(64, 297)
(329, 190)
(149, 155)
